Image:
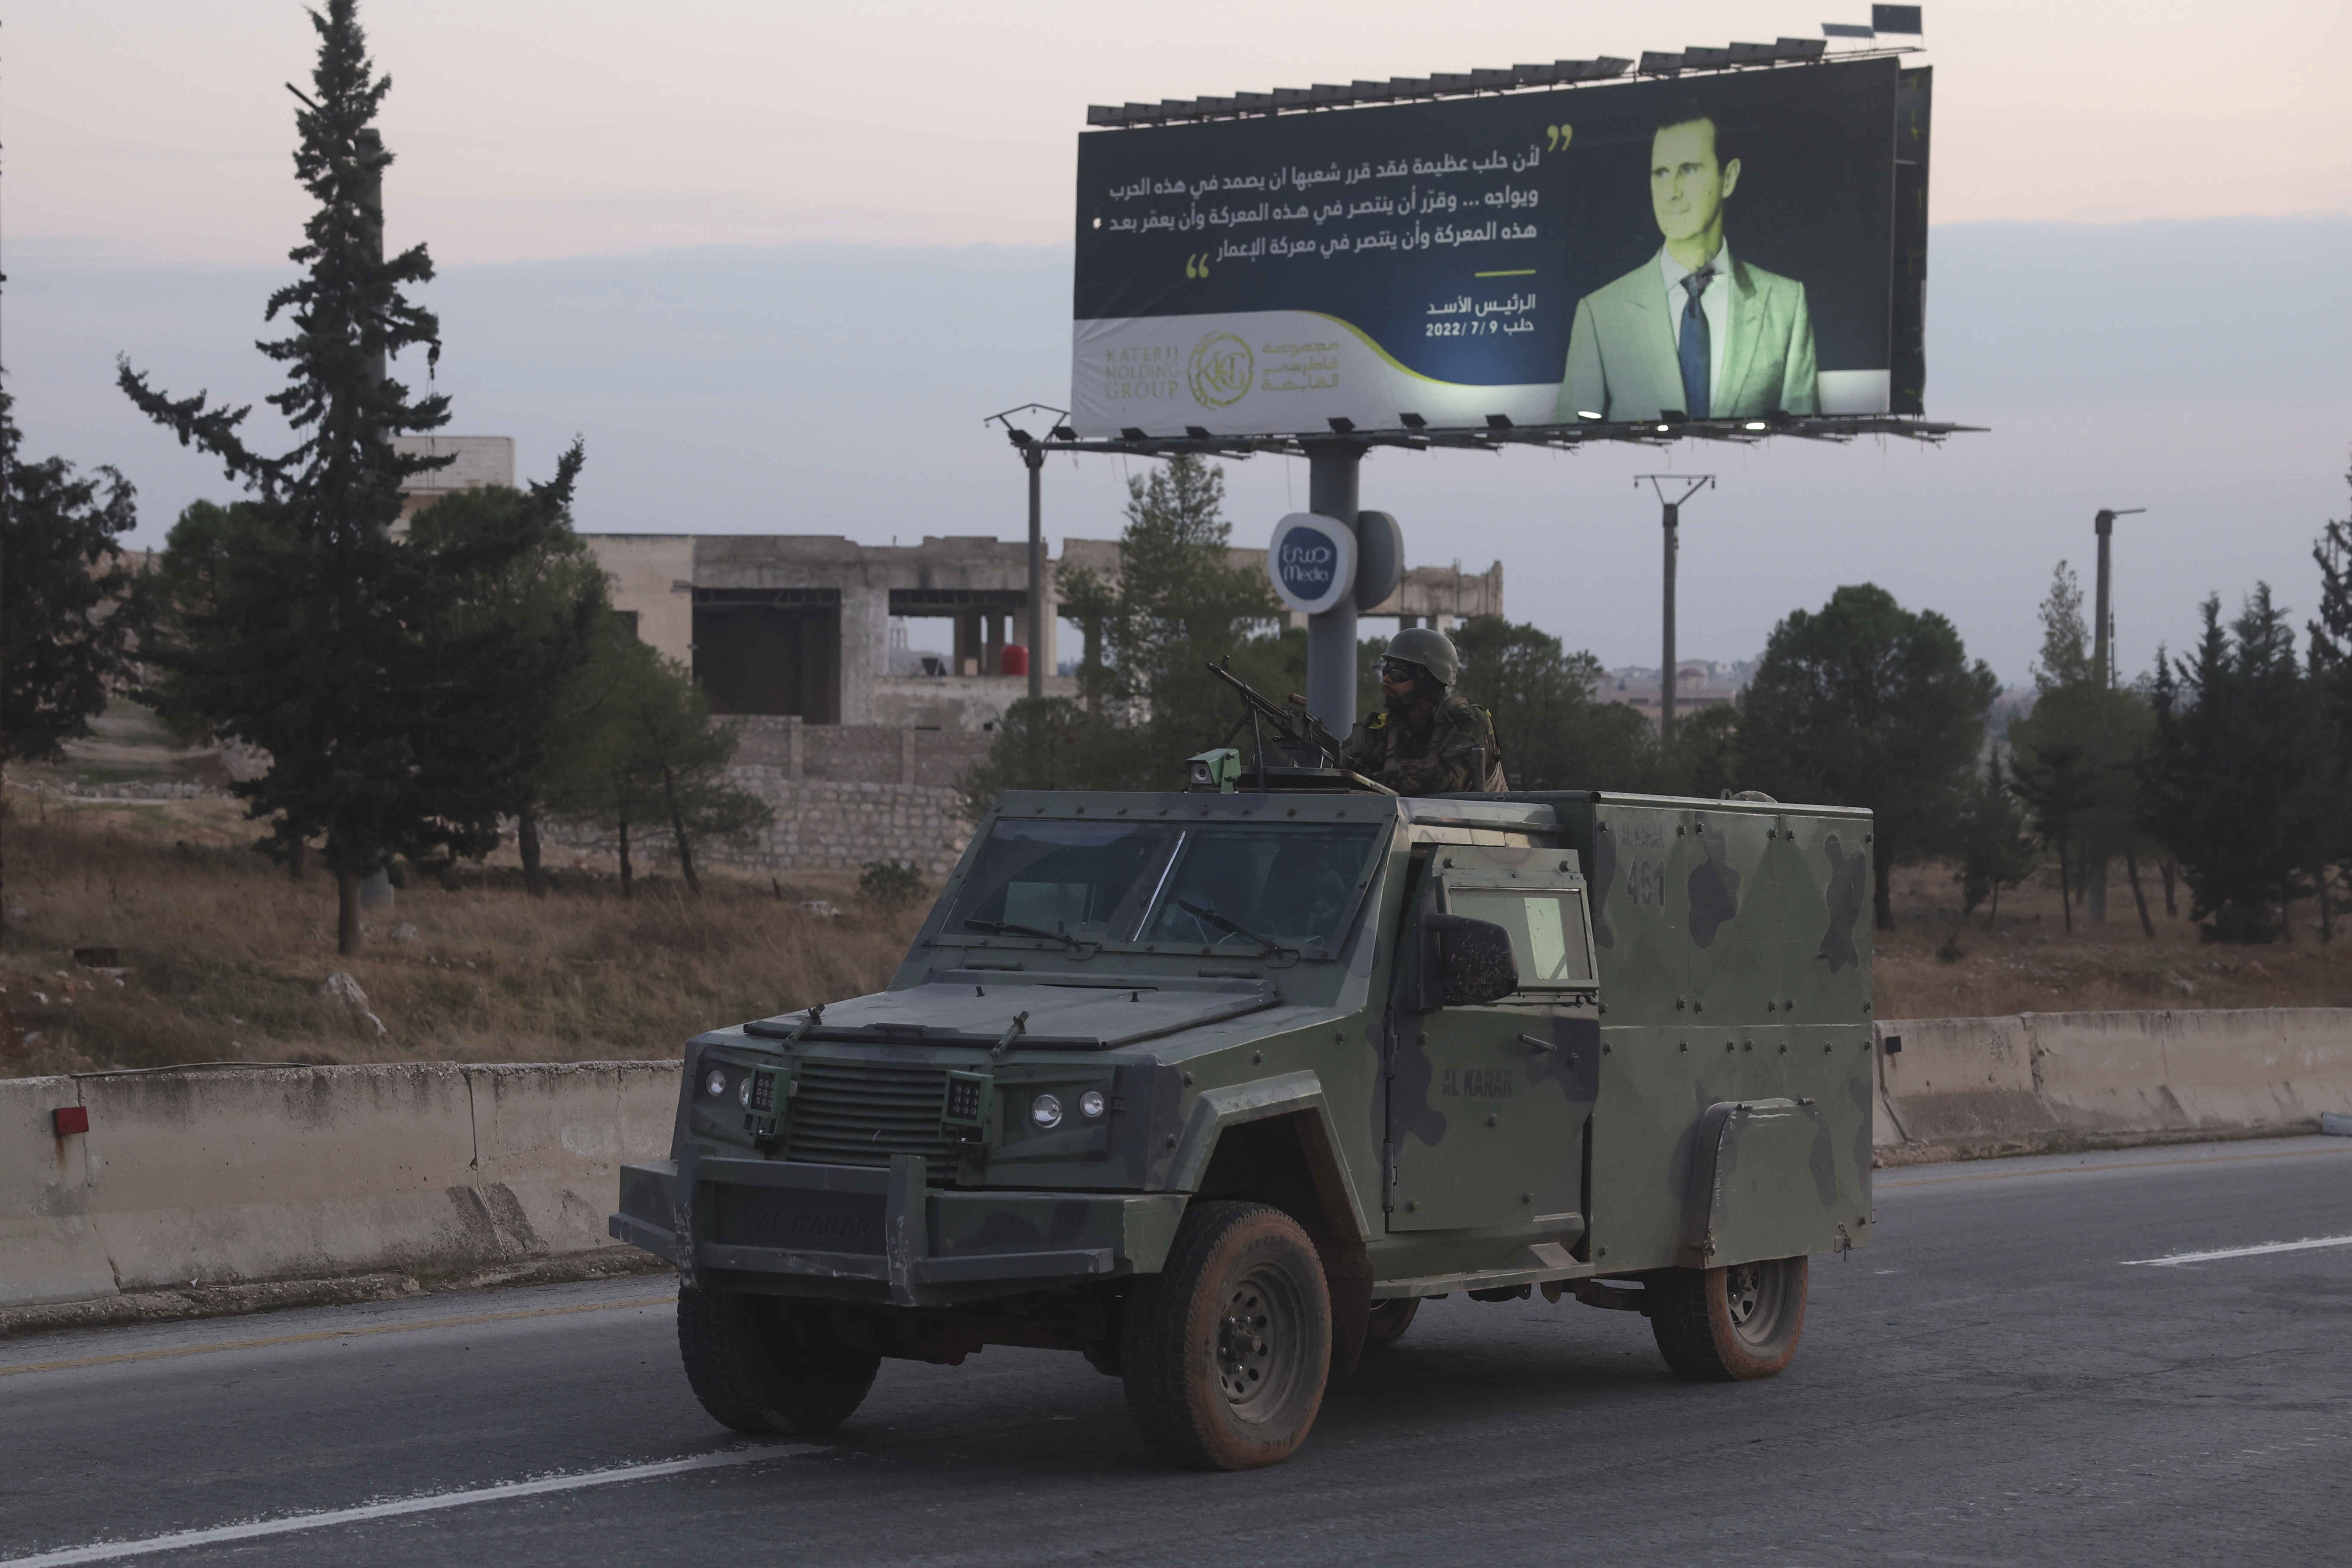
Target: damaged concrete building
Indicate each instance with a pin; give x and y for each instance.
(855, 738)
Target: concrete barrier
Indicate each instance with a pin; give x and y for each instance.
(231, 1177)
(2036, 1080)
(236, 1178)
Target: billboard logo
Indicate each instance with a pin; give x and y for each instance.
(1221, 371)
(1311, 561)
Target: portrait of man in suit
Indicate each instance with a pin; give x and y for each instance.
(1693, 329)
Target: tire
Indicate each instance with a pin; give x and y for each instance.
(1731, 1324)
(1228, 1348)
(1390, 1318)
(768, 1367)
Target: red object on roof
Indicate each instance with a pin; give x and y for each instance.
(1012, 659)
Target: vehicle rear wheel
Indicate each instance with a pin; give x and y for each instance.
(1228, 1348)
(1390, 1318)
(1730, 1324)
(769, 1367)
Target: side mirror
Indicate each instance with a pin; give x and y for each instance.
(1474, 960)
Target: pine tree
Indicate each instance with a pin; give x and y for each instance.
(632, 749)
(2077, 754)
(2331, 676)
(532, 598)
(2239, 777)
(324, 643)
(65, 628)
(1868, 703)
(1146, 699)
(1991, 844)
(1554, 734)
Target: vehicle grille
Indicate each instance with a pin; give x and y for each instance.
(862, 1113)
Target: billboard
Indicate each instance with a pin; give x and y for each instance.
(1723, 247)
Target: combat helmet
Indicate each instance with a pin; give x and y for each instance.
(1430, 649)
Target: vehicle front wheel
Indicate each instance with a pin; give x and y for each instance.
(1730, 1324)
(769, 1367)
(1228, 1348)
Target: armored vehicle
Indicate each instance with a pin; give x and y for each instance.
(1215, 1087)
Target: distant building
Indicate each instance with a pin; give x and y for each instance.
(1698, 684)
(480, 460)
(854, 736)
(813, 625)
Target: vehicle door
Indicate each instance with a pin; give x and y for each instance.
(1487, 1101)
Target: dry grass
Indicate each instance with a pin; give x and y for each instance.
(2028, 962)
(224, 957)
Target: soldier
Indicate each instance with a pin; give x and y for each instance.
(1423, 742)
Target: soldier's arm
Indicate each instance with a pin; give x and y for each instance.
(1362, 748)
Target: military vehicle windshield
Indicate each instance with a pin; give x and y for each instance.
(1246, 888)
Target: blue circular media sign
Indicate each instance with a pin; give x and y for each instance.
(1311, 561)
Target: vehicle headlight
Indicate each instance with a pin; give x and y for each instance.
(716, 1084)
(1090, 1104)
(1046, 1110)
(743, 1092)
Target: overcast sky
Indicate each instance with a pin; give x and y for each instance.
(2141, 219)
(157, 129)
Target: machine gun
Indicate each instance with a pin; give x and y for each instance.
(1308, 750)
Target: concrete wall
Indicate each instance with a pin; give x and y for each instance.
(653, 579)
(2038, 1079)
(231, 1177)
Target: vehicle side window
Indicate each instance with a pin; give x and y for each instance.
(1550, 940)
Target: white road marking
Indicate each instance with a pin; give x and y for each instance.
(431, 1502)
(2179, 1258)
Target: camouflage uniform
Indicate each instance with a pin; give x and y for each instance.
(1444, 754)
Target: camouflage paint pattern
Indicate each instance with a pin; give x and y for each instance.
(1552, 1136)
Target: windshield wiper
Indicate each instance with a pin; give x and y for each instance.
(1014, 929)
(1267, 945)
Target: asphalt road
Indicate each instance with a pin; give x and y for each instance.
(1996, 1381)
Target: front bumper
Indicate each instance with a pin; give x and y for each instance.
(856, 1233)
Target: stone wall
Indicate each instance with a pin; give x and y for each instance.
(846, 795)
(858, 753)
(825, 824)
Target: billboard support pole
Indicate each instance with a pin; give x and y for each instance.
(1034, 456)
(1670, 524)
(1333, 468)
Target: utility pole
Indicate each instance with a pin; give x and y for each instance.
(2102, 653)
(1033, 457)
(2103, 674)
(1670, 520)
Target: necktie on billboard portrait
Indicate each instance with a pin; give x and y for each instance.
(1696, 346)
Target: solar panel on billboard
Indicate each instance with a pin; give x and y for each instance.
(1719, 247)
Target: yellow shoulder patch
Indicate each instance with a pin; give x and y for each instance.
(1378, 721)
